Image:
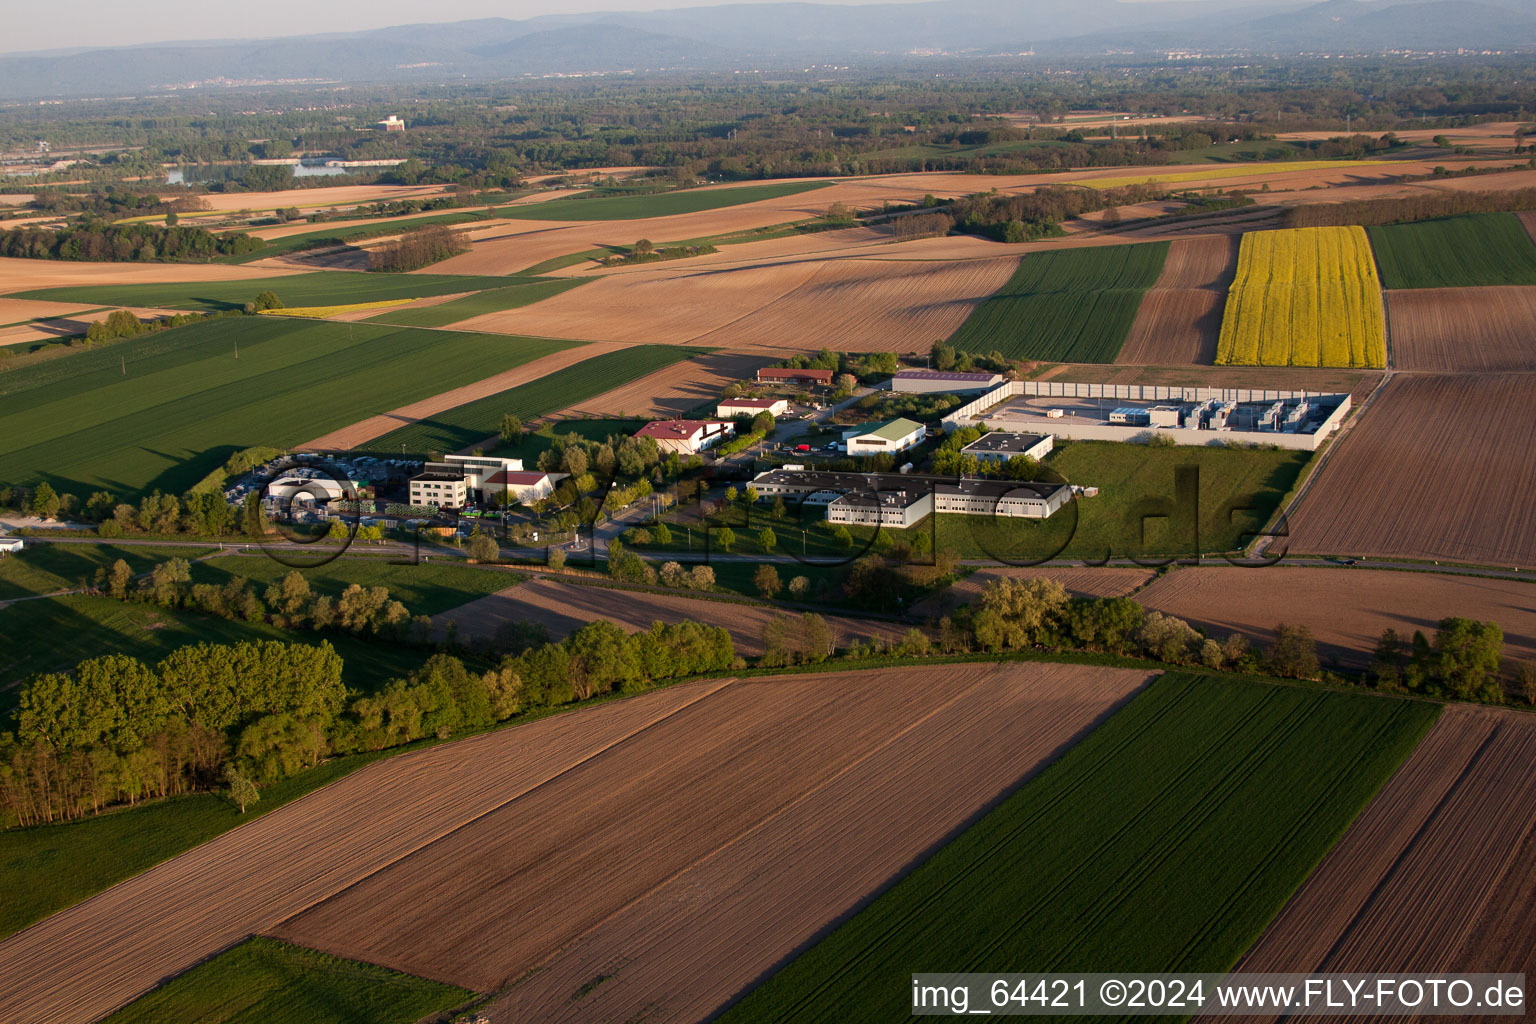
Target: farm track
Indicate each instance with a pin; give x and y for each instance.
(1433, 470)
(562, 608)
(84, 962)
(1346, 609)
(377, 426)
(1180, 317)
(1429, 877)
(1475, 330)
(694, 867)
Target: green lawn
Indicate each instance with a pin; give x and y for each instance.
(322, 288)
(492, 300)
(1068, 305)
(1140, 508)
(660, 204)
(1457, 252)
(474, 421)
(42, 568)
(163, 411)
(1164, 841)
(263, 981)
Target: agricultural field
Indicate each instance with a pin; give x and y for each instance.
(44, 567)
(1439, 872)
(492, 300)
(1179, 321)
(1456, 252)
(659, 204)
(163, 410)
(854, 304)
(263, 981)
(321, 288)
(1164, 841)
(425, 589)
(1304, 297)
(697, 836)
(86, 961)
(1068, 305)
(1477, 330)
(1318, 168)
(1346, 609)
(562, 608)
(676, 389)
(1439, 468)
(464, 425)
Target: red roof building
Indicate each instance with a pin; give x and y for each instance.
(790, 375)
(687, 437)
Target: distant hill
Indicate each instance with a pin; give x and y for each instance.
(779, 35)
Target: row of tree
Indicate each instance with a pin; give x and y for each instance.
(99, 242)
(417, 248)
(1420, 206)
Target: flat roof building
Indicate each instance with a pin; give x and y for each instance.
(687, 437)
(889, 437)
(441, 484)
(751, 407)
(944, 382)
(1002, 445)
(901, 500)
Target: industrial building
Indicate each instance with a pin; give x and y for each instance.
(901, 500)
(310, 488)
(11, 545)
(1002, 445)
(687, 437)
(480, 472)
(884, 437)
(441, 484)
(944, 382)
(460, 480)
(791, 375)
(751, 407)
(1133, 412)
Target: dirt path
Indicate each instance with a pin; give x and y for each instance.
(82, 963)
(363, 431)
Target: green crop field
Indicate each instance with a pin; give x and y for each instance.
(164, 410)
(660, 204)
(322, 288)
(343, 236)
(1070, 305)
(44, 567)
(1457, 252)
(474, 421)
(263, 981)
(425, 589)
(492, 300)
(1164, 841)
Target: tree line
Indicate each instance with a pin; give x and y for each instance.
(239, 716)
(417, 248)
(98, 242)
(1422, 206)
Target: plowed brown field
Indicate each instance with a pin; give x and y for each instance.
(1346, 609)
(18, 275)
(1180, 317)
(673, 390)
(1438, 468)
(677, 868)
(855, 305)
(563, 608)
(1430, 877)
(366, 430)
(82, 963)
(1484, 330)
(1110, 581)
(1528, 218)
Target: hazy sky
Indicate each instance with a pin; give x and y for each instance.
(33, 25)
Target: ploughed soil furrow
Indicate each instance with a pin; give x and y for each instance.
(1180, 317)
(1480, 330)
(1428, 878)
(663, 877)
(82, 963)
(674, 390)
(1438, 468)
(563, 608)
(1346, 609)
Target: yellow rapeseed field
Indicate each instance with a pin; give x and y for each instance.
(1213, 171)
(321, 312)
(1304, 297)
